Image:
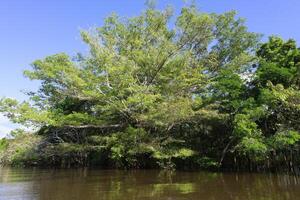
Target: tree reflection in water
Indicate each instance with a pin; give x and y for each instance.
(93, 184)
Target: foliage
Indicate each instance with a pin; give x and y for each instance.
(19, 151)
(200, 92)
(3, 144)
(280, 62)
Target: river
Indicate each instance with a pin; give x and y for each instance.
(96, 184)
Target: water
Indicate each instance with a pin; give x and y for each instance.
(92, 184)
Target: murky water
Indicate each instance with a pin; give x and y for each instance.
(92, 184)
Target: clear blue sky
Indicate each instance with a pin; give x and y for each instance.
(32, 29)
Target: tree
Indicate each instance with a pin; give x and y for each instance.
(279, 62)
(271, 122)
(140, 85)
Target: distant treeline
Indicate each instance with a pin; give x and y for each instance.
(192, 91)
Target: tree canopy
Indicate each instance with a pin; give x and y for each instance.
(199, 91)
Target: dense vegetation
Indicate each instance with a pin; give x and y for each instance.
(199, 93)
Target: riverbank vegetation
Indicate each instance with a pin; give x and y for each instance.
(202, 92)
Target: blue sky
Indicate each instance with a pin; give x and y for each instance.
(33, 29)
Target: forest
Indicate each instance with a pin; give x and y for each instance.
(190, 91)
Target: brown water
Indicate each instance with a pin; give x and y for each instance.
(91, 184)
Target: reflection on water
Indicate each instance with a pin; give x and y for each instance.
(90, 184)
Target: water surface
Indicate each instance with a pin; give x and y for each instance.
(94, 184)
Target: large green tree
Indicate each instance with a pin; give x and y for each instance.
(267, 129)
(151, 88)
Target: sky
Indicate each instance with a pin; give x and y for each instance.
(33, 29)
